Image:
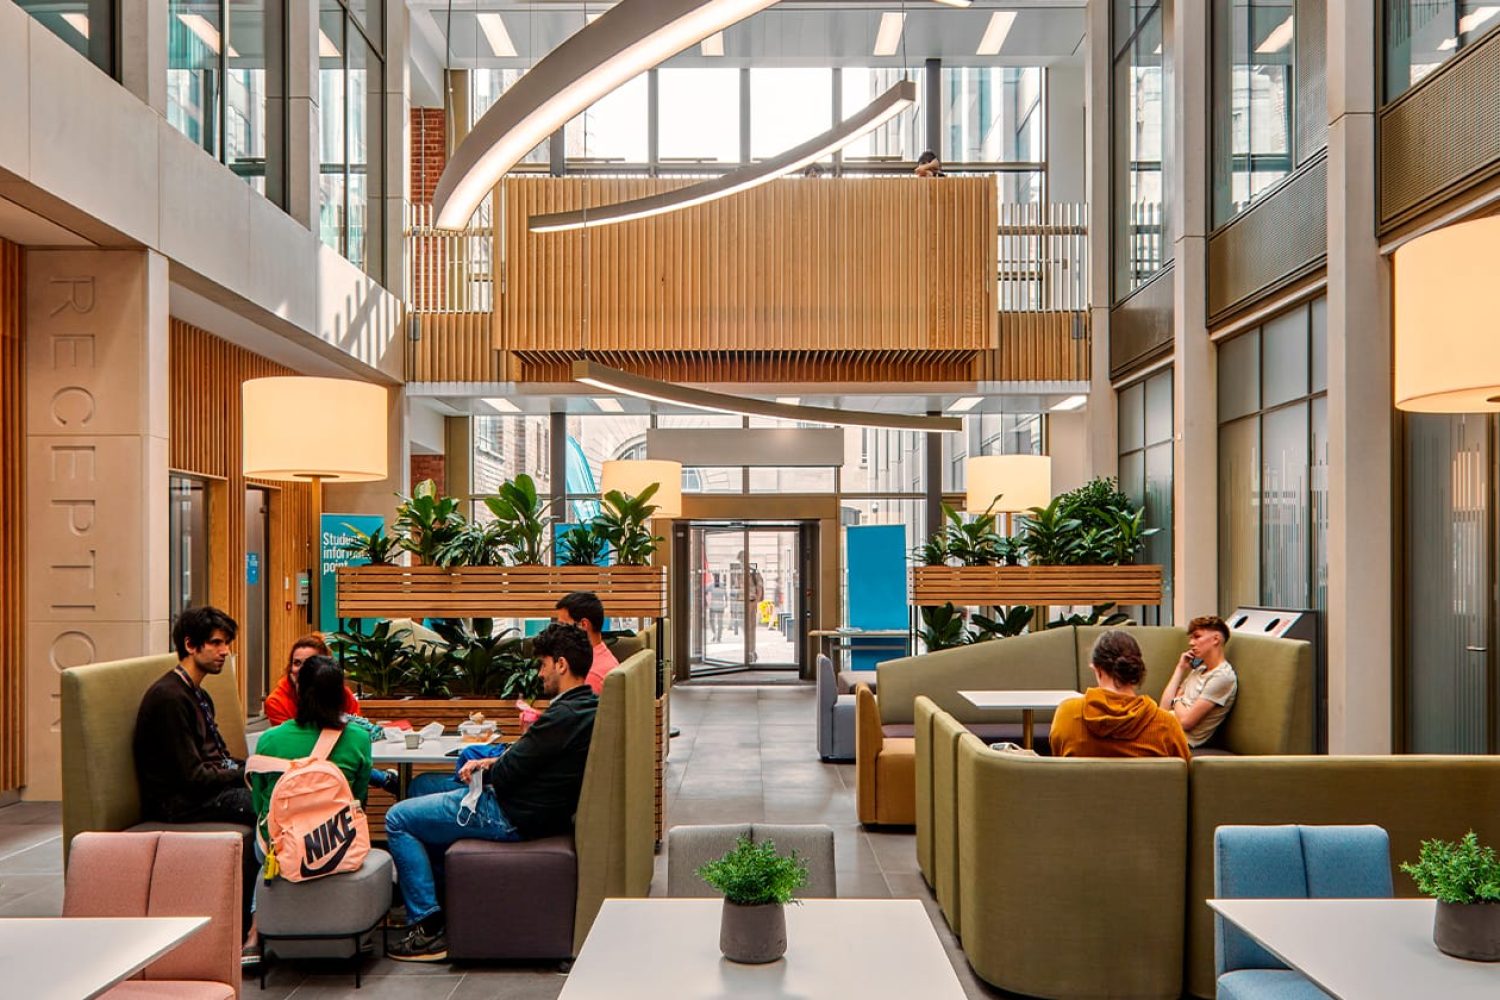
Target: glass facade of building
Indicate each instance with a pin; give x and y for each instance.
(1140, 241)
(351, 139)
(1421, 35)
(1146, 463)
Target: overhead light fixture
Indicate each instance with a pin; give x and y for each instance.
(964, 404)
(326, 48)
(493, 26)
(1279, 38)
(206, 32)
(642, 387)
(1007, 483)
(79, 22)
(885, 107)
(955, 3)
(789, 400)
(888, 38)
(631, 37)
(502, 405)
(1070, 404)
(608, 404)
(996, 32)
(1446, 300)
(713, 45)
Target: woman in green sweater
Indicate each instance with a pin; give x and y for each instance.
(320, 706)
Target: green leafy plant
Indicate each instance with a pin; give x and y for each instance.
(1096, 617)
(755, 875)
(430, 670)
(524, 680)
(473, 544)
(972, 543)
(622, 523)
(582, 545)
(427, 523)
(375, 660)
(521, 524)
(1050, 537)
(934, 551)
(378, 547)
(1462, 872)
(943, 627)
(483, 659)
(1006, 623)
(1129, 535)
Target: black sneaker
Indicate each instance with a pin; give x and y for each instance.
(420, 944)
(386, 780)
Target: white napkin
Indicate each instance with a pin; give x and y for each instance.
(432, 730)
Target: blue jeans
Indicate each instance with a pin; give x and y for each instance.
(432, 783)
(419, 828)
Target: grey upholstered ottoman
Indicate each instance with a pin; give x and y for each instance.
(324, 918)
(511, 900)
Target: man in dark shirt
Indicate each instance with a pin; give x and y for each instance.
(529, 791)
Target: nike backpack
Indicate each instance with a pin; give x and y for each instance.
(315, 826)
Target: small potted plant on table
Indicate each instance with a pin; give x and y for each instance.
(757, 883)
(1464, 878)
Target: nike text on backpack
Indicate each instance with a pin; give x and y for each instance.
(314, 826)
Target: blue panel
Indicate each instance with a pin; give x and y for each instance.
(335, 549)
(876, 571)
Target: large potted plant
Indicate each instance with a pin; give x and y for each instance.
(1464, 878)
(757, 883)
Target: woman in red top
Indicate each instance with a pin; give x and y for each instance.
(282, 703)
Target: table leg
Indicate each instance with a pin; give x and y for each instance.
(1028, 719)
(403, 781)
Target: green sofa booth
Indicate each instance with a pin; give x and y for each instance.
(1273, 713)
(1079, 877)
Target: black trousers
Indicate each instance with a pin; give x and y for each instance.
(232, 805)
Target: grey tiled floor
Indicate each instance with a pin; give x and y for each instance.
(745, 754)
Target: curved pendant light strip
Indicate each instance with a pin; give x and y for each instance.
(642, 387)
(623, 42)
(879, 111)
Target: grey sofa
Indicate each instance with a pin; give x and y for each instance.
(835, 715)
(690, 847)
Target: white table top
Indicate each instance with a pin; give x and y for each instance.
(866, 948)
(432, 751)
(69, 958)
(1018, 699)
(1370, 949)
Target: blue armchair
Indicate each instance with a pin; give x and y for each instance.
(835, 715)
(1288, 862)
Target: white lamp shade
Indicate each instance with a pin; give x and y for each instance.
(1447, 320)
(1008, 483)
(632, 476)
(304, 428)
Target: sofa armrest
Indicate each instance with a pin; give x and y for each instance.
(867, 743)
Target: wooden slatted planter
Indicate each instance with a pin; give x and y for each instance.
(1042, 585)
(496, 591)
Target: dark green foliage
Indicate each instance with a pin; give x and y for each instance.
(377, 546)
(943, 627)
(520, 524)
(427, 523)
(624, 522)
(1093, 525)
(485, 660)
(430, 670)
(582, 545)
(972, 543)
(1463, 872)
(1096, 617)
(376, 661)
(754, 874)
(1006, 623)
(934, 551)
(473, 544)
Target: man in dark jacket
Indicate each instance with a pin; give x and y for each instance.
(530, 791)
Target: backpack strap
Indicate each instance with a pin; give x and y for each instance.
(261, 764)
(326, 740)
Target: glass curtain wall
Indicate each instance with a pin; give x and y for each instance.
(995, 115)
(1421, 35)
(1273, 463)
(899, 139)
(1269, 96)
(88, 26)
(351, 140)
(1146, 463)
(226, 85)
(1141, 85)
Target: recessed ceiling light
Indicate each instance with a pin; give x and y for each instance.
(79, 22)
(1279, 38)
(493, 27)
(995, 32)
(888, 38)
(955, 3)
(502, 405)
(713, 45)
(964, 404)
(1071, 403)
(608, 404)
(789, 400)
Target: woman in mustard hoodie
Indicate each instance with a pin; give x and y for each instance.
(1113, 719)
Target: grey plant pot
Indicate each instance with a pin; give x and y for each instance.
(753, 935)
(1468, 930)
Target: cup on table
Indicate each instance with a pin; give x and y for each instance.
(413, 741)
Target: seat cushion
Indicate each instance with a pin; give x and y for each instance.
(896, 782)
(899, 730)
(168, 989)
(1268, 984)
(850, 679)
(1213, 752)
(992, 732)
(485, 878)
(349, 903)
(155, 826)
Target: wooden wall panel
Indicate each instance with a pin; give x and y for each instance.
(1038, 347)
(871, 264)
(205, 426)
(12, 522)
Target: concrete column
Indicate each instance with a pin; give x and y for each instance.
(397, 142)
(96, 476)
(1361, 523)
(303, 150)
(932, 112)
(1195, 432)
(1102, 434)
(143, 51)
(1067, 128)
(458, 452)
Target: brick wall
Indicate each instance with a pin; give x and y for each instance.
(432, 467)
(429, 151)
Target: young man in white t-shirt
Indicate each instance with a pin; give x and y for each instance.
(1203, 685)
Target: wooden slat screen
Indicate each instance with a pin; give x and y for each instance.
(994, 585)
(456, 347)
(895, 264)
(206, 374)
(12, 521)
(496, 591)
(1038, 347)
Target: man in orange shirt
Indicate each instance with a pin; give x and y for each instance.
(584, 609)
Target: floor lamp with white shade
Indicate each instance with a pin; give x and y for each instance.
(315, 430)
(1009, 484)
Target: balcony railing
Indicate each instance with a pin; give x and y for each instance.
(448, 271)
(1043, 257)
